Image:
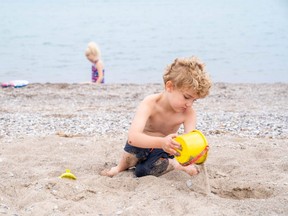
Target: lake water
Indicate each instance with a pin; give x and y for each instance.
(240, 40)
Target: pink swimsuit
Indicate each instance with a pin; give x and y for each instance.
(95, 74)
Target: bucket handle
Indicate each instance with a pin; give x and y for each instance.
(197, 157)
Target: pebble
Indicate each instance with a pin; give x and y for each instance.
(87, 110)
(189, 183)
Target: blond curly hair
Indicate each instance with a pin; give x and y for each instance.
(188, 73)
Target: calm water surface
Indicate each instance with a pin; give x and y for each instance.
(240, 40)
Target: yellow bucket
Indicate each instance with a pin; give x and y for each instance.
(194, 148)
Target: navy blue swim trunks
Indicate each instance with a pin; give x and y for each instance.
(151, 161)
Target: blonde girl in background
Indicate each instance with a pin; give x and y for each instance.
(93, 54)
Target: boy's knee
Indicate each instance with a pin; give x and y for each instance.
(160, 166)
(129, 159)
(156, 169)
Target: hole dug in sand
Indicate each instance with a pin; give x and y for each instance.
(221, 185)
(242, 192)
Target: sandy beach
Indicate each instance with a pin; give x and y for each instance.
(47, 128)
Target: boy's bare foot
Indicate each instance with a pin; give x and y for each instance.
(191, 170)
(110, 173)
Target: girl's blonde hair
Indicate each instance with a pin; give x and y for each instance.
(93, 49)
(188, 73)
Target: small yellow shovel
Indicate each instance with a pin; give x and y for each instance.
(68, 175)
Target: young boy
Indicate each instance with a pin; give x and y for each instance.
(150, 147)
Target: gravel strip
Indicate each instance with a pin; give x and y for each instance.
(245, 110)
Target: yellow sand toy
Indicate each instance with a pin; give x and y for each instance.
(68, 174)
(194, 148)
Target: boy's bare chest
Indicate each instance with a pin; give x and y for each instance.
(164, 123)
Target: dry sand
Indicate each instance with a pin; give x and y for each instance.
(47, 128)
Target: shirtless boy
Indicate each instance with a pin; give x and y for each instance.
(150, 147)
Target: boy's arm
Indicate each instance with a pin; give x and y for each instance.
(138, 138)
(190, 121)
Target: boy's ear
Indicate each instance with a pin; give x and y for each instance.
(169, 86)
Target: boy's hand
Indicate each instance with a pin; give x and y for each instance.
(169, 145)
